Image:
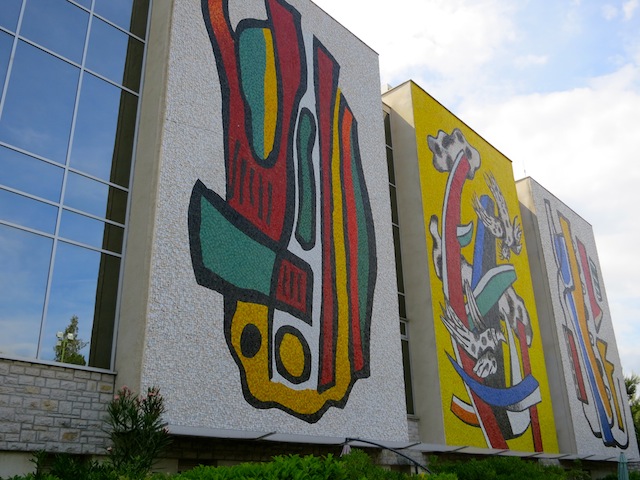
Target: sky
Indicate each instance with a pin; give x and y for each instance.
(555, 86)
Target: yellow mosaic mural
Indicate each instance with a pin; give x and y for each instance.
(493, 379)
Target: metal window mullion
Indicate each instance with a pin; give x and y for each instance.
(100, 180)
(112, 82)
(116, 320)
(89, 247)
(48, 51)
(28, 195)
(5, 87)
(26, 229)
(123, 30)
(92, 216)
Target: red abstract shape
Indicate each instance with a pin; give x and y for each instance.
(455, 293)
(326, 89)
(259, 190)
(595, 308)
(575, 364)
(351, 227)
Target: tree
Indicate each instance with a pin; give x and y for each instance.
(68, 346)
(631, 384)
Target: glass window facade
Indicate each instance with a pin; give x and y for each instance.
(70, 77)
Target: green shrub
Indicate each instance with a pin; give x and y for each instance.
(498, 468)
(355, 466)
(358, 465)
(137, 432)
(614, 476)
(290, 467)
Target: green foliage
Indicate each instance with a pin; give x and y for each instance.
(137, 432)
(355, 466)
(358, 466)
(499, 468)
(633, 475)
(291, 467)
(68, 346)
(576, 472)
(631, 383)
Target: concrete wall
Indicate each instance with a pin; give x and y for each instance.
(52, 408)
(428, 420)
(585, 371)
(225, 339)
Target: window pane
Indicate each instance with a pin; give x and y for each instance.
(84, 284)
(89, 231)
(108, 51)
(39, 104)
(394, 205)
(96, 198)
(57, 25)
(9, 14)
(387, 129)
(30, 175)
(27, 212)
(408, 386)
(128, 14)
(390, 167)
(396, 243)
(6, 42)
(25, 261)
(402, 306)
(103, 138)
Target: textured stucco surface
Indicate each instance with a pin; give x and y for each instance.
(185, 350)
(544, 215)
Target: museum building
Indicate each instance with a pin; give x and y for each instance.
(210, 197)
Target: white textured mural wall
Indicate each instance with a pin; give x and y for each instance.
(593, 376)
(273, 300)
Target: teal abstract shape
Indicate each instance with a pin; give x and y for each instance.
(306, 137)
(253, 64)
(231, 254)
(492, 286)
(465, 234)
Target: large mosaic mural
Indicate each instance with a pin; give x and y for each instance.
(580, 294)
(593, 375)
(492, 374)
(291, 244)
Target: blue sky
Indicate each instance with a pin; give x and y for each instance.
(555, 86)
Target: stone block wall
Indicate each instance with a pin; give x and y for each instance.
(53, 408)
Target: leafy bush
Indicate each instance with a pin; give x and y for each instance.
(633, 475)
(358, 465)
(355, 466)
(137, 432)
(498, 468)
(291, 467)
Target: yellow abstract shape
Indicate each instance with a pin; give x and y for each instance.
(270, 94)
(582, 314)
(256, 368)
(609, 369)
(292, 355)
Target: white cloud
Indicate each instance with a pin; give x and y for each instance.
(629, 7)
(527, 61)
(449, 37)
(581, 146)
(609, 12)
